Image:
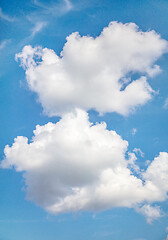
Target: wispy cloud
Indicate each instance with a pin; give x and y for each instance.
(165, 106)
(138, 151)
(55, 9)
(5, 16)
(37, 28)
(134, 131)
(69, 5)
(151, 212)
(3, 44)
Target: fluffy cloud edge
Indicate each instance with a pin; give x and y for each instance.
(99, 68)
(74, 165)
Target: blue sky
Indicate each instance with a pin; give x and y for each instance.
(47, 24)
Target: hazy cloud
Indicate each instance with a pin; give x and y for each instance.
(56, 9)
(37, 28)
(3, 43)
(5, 16)
(165, 103)
(134, 131)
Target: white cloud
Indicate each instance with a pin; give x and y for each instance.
(157, 173)
(138, 151)
(5, 16)
(151, 213)
(132, 162)
(94, 73)
(74, 165)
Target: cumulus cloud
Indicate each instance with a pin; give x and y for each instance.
(74, 165)
(95, 73)
(151, 213)
(157, 173)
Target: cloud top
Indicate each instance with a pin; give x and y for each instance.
(95, 73)
(74, 165)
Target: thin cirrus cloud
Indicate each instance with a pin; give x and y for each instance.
(5, 16)
(37, 28)
(4, 43)
(99, 68)
(56, 9)
(165, 105)
(74, 165)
